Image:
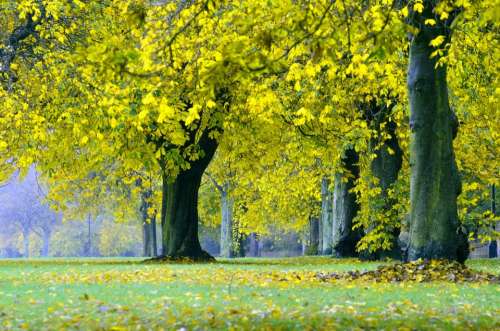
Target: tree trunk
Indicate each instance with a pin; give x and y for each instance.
(87, 247)
(326, 218)
(493, 246)
(45, 243)
(149, 232)
(345, 208)
(239, 247)
(320, 236)
(312, 248)
(180, 207)
(26, 243)
(435, 183)
(385, 167)
(226, 235)
(254, 250)
(148, 226)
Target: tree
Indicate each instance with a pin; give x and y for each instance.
(147, 211)
(345, 207)
(313, 240)
(23, 204)
(148, 226)
(435, 182)
(118, 88)
(326, 218)
(378, 201)
(227, 247)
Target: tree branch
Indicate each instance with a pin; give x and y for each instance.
(216, 184)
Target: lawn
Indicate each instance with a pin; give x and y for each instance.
(125, 294)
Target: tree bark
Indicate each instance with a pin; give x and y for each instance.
(345, 208)
(312, 248)
(493, 246)
(148, 226)
(254, 250)
(180, 207)
(149, 232)
(435, 182)
(385, 167)
(227, 248)
(326, 218)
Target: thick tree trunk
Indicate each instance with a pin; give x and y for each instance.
(345, 208)
(227, 248)
(435, 183)
(312, 248)
(326, 218)
(180, 207)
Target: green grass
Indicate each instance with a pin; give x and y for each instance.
(122, 294)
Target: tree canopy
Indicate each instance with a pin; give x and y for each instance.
(109, 97)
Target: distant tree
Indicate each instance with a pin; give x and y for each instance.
(23, 205)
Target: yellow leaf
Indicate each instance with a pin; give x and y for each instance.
(149, 99)
(84, 140)
(297, 86)
(165, 111)
(444, 15)
(211, 104)
(430, 22)
(404, 12)
(418, 7)
(143, 114)
(193, 114)
(437, 41)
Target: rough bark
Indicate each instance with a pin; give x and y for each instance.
(345, 208)
(227, 248)
(180, 207)
(326, 218)
(435, 183)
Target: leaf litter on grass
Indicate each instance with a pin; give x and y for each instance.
(416, 271)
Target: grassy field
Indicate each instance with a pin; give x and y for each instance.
(120, 294)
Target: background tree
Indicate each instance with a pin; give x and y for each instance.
(23, 204)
